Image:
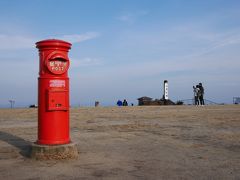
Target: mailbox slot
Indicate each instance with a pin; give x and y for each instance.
(57, 63)
(57, 100)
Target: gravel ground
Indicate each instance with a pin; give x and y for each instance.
(156, 142)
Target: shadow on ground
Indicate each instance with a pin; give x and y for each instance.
(23, 145)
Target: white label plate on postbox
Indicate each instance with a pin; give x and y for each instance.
(57, 83)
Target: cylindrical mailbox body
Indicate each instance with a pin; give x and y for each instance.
(53, 92)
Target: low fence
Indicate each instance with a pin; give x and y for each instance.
(192, 102)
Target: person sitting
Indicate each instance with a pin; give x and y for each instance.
(119, 103)
(125, 103)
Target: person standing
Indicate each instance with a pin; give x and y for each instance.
(198, 94)
(201, 94)
(196, 102)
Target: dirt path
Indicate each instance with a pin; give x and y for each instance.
(171, 142)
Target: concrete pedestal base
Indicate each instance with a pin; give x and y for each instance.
(48, 152)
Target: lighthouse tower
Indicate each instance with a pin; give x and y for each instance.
(165, 87)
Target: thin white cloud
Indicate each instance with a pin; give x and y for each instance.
(131, 17)
(235, 39)
(76, 38)
(216, 44)
(16, 42)
(85, 62)
(13, 42)
(206, 39)
(125, 18)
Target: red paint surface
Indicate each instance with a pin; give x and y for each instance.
(53, 92)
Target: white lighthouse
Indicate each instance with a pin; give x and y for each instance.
(165, 87)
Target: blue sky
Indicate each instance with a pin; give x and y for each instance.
(124, 49)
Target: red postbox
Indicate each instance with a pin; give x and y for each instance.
(53, 92)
